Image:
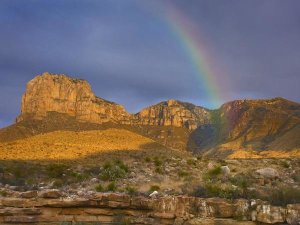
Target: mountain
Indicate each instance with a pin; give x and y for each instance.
(241, 128)
(174, 113)
(70, 96)
(251, 125)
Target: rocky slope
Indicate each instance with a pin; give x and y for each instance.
(58, 102)
(271, 124)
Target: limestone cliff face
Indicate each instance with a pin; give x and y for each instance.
(74, 97)
(174, 113)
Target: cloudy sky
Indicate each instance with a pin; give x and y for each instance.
(130, 53)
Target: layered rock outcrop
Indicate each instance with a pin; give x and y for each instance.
(74, 97)
(174, 113)
(125, 209)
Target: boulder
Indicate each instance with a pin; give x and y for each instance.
(268, 173)
(293, 214)
(270, 214)
(225, 170)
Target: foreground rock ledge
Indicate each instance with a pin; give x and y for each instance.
(112, 207)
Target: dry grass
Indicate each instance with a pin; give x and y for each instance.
(69, 145)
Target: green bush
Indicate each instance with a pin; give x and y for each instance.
(183, 173)
(158, 170)
(215, 190)
(191, 162)
(56, 170)
(241, 181)
(285, 164)
(284, 195)
(147, 159)
(296, 176)
(215, 171)
(111, 172)
(111, 186)
(131, 190)
(99, 188)
(79, 176)
(3, 193)
(157, 162)
(212, 174)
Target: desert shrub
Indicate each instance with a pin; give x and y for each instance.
(157, 162)
(215, 171)
(99, 188)
(17, 171)
(2, 169)
(147, 159)
(94, 171)
(56, 170)
(158, 170)
(111, 186)
(222, 162)
(199, 157)
(58, 183)
(215, 190)
(191, 162)
(285, 164)
(3, 193)
(154, 188)
(296, 176)
(212, 174)
(241, 181)
(121, 164)
(115, 171)
(284, 195)
(79, 176)
(183, 173)
(131, 190)
(200, 191)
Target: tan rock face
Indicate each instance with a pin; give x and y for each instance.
(112, 207)
(175, 113)
(74, 97)
(62, 94)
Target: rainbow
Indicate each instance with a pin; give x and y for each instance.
(197, 51)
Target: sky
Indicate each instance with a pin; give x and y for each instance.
(130, 52)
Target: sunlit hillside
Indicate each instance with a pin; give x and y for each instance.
(60, 145)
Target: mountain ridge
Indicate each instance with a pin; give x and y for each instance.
(250, 125)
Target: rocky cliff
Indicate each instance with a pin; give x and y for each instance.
(74, 97)
(50, 206)
(174, 113)
(62, 94)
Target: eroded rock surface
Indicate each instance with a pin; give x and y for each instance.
(74, 97)
(113, 207)
(174, 113)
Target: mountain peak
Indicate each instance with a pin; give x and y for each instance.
(64, 94)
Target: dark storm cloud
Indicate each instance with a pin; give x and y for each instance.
(128, 53)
